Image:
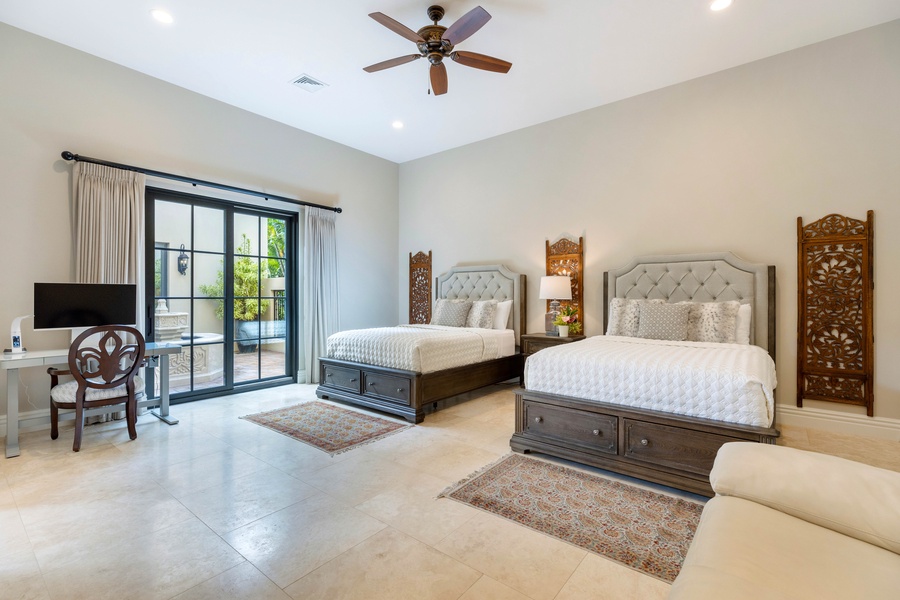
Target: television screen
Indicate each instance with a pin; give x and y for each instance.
(71, 305)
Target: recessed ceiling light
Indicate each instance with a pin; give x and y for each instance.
(720, 4)
(397, 124)
(161, 15)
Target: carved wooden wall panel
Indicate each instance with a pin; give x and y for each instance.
(835, 290)
(566, 257)
(420, 287)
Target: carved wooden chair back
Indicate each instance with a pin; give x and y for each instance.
(103, 362)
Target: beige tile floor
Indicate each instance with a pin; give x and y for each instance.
(217, 507)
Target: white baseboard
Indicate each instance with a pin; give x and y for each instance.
(32, 420)
(852, 424)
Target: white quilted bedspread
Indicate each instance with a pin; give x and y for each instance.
(725, 382)
(422, 348)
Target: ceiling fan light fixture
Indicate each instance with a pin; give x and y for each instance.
(162, 15)
(720, 4)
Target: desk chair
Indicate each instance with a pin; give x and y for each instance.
(104, 366)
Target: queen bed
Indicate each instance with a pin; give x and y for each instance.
(651, 400)
(405, 369)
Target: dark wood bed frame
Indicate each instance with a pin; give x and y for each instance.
(409, 393)
(665, 448)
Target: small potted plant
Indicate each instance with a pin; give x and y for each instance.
(567, 321)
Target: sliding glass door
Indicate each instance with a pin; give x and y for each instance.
(222, 289)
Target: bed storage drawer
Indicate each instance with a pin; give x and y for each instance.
(342, 378)
(596, 431)
(386, 387)
(682, 449)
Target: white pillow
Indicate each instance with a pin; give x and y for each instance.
(501, 314)
(481, 314)
(742, 326)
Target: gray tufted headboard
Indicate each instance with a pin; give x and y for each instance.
(709, 277)
(486, 282)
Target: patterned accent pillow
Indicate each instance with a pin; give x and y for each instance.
(624, 316)
(712, 321)
(451, 313)
(482, 314)
(663, 321)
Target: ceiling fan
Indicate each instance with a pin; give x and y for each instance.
(436, 42)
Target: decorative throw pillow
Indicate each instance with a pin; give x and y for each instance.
(501, 315)
(481, 314)
(624, 316)
(712, 321)
(451, 313)
(742, 325)
(663, 321)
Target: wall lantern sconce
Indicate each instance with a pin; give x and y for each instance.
(183, 259)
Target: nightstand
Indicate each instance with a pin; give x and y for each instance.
(532, 342)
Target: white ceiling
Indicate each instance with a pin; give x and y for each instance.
(567, 55)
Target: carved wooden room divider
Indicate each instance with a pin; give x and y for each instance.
(420, 288)
(566, 257)
(834, 311)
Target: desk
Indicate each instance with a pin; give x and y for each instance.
(44, 358)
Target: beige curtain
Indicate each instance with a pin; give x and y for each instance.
(108, 232)
(320, 287)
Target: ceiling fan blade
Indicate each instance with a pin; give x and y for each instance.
(466, 25)
(439, 79)
(481, 61)
(387, 64)
(397, 27)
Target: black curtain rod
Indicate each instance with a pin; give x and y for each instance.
(220, 186)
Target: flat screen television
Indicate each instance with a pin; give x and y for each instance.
(73, 305)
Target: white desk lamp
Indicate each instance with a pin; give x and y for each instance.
(15, 336)
(554, 288)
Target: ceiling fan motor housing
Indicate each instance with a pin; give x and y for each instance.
(434, 48)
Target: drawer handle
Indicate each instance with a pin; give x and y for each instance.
(596, 432)
(538, 419)
(371, 384)
(644, 442)
(399, 390)
(352, 379)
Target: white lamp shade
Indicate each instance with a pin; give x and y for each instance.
(556, 287)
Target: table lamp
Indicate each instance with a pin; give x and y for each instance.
(554, 288)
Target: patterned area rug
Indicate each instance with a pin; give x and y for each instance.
(327, 427)
(636, 527)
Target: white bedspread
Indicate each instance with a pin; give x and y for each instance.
(725, 382)
(421, 348)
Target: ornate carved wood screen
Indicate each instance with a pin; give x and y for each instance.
(834, 293)
(566, 257)
(420, 287)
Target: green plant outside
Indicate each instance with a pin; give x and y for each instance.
(246, 285)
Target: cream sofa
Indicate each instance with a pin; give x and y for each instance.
(786, 523)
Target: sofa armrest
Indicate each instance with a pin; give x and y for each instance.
(851, 498)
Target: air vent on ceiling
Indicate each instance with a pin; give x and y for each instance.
(310, 84)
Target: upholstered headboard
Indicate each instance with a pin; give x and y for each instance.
(486, 282)
(709, 277)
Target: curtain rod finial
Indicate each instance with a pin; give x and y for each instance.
(338, 210)
(67, 155)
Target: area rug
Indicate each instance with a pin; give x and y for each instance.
(634, 526)
(327, 427)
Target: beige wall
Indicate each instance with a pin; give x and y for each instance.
(724, 162)
(53, 98)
